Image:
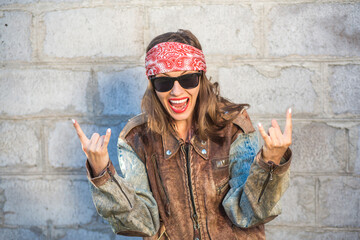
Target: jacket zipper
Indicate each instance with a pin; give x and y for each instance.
(114, 179)
(268, 178)
(195, 216)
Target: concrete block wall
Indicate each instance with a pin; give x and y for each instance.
(84, 59)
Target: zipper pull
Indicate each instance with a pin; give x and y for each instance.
(268, 178)
(196, 224)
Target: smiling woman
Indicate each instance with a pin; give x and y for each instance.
(190, 167)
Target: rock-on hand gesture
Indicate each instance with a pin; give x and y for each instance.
(94, 148)
(276, 142)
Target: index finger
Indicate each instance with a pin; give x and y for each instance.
(264, 135)
(288, 125)
(80, 133)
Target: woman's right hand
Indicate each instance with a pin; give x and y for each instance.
(95, 148)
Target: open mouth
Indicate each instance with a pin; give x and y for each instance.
(179, 105)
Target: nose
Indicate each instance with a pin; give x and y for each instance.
(177, 90)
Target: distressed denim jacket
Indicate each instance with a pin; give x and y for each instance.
(168, 189)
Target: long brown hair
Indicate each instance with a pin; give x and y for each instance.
(209, 107)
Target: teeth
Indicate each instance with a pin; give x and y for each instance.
(178, 101)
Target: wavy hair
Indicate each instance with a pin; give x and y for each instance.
(209, 107)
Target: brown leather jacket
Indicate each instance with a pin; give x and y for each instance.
(199, 190)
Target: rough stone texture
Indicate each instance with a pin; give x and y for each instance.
(357, 163)
(292, 87)
(40, 90)
(318, 147)
(339, 201)
(19, 144)
(72, 156)
(84, 59)
(274, 233)
(121, 92)
(298, 203)
(19, 234)
(97, 32)
(15, 36)
(345, 88)
(8, 2)
(34, 201)
(354, 150)
(230, 35)
(314, 29)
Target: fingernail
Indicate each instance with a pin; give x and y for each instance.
(289, 110)
(73, 120)
(108, 130)
(259, 124)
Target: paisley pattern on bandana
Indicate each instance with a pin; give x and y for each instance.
(173, 56)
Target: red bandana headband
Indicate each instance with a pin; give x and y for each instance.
(173, 56)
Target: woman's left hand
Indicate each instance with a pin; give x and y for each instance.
(276, 142)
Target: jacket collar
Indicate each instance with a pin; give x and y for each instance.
(172, 143)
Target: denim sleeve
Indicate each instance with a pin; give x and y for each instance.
(255, 187)
(124, 199)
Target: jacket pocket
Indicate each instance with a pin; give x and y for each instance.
(221, 174)
(163, 194)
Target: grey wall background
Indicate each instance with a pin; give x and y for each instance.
(63, 59)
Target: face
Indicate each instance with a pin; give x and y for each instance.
(179, 102)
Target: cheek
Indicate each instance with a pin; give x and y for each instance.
(162, 98)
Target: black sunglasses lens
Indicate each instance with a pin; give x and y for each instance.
(163, 84)
(189, 81)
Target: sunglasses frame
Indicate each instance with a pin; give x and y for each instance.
(173, 79)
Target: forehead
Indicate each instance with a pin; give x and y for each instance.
(175, 73)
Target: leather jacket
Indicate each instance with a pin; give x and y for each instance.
(169, 189)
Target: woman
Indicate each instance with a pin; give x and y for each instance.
(189, 166)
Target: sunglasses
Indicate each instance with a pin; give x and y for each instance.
(186, 81)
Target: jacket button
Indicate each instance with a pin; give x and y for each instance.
(168, 152)
(203, 151)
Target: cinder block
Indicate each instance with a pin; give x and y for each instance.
(121, 92)
(19, 234)
(15, 36)
(71, 234)
(73, 157)
(275, 233)
(34, 201)
(19, 144)
(339, 201)
(318, 147)
(292, 87)
(345, 88)
(354, 149)
(94, 32)
(40, 90)
(230, 35)
(119, 237)
(298, 203)
(314, 29)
